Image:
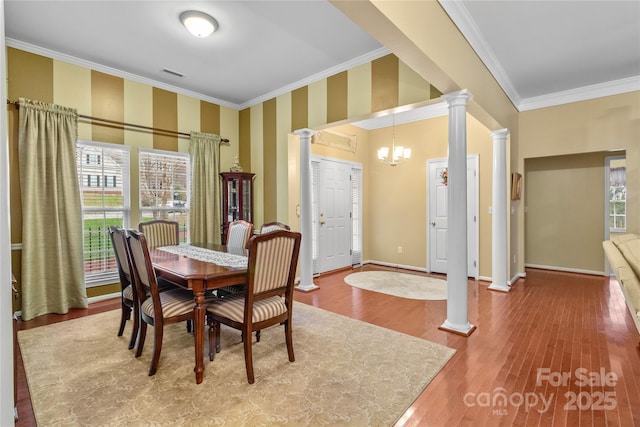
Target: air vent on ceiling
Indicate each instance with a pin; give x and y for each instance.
(173, 73)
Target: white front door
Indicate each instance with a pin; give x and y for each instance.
(437, 216)
(334, 231)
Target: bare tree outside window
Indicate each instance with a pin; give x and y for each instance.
(165, 182)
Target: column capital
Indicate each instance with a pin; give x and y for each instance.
(500, 133)
(458, 98)
(305, 132)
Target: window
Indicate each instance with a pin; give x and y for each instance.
(165, 186)
(102, 205)
(617, 199)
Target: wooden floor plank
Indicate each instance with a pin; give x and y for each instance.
(550, 320)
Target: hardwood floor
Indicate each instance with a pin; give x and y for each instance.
(509, 371)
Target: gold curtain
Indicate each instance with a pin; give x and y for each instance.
(52, 254)
(205, 207)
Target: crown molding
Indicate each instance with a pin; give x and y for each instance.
(38, 50)
(368, 57)
(461, 17)
(362, 59)
(615, 87)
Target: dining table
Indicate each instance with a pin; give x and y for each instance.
(200, 267)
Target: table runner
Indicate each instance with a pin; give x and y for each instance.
(208, 255)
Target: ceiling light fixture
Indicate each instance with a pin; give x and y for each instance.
(198, 23)
(398, 154)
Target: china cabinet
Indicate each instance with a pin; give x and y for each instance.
(237, 199)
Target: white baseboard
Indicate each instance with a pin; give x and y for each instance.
(517, 276)
(18, 314)
(567, 269)
(103, 297)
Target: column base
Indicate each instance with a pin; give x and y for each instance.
(465, 331)
(307, 288)
(499, 288)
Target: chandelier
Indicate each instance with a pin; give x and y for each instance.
(398, 154)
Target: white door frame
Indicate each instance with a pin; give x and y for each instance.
(316, 225)
(474, 158)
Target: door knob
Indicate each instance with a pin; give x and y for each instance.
(321, 222)
(433, 223)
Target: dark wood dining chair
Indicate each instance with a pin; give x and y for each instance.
(273, 226)
(160, 232)
(128, 295)
(156, 308)
(268, 296)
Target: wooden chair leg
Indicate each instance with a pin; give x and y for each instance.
(136, 327)
(157, 347)
(126, 314)
(218, 327)
(212, 340)
(248, 359)
(142, 334)
(289, 338)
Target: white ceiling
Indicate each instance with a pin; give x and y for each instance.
(541, 52)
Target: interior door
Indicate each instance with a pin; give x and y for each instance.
(438, 218)
(438, 202)
(334, 232)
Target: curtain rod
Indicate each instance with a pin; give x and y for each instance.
(123, 124)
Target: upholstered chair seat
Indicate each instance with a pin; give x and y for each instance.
(176, 302)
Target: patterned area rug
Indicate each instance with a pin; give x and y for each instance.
(80, 373)
(399, 284)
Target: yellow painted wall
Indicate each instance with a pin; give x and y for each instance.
(597, 125)
(397, 210)
(565, 220)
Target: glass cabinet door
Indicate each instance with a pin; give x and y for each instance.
(237, 199)
(232, 208)
(246, 199)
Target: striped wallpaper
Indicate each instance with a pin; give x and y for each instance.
(356, 93)
(258, 134)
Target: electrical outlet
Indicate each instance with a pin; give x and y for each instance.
(399, 249)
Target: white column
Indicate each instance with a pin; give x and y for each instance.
(306, 227)
(457, 306)
(499, 212)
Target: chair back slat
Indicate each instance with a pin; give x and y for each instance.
(160, 232)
